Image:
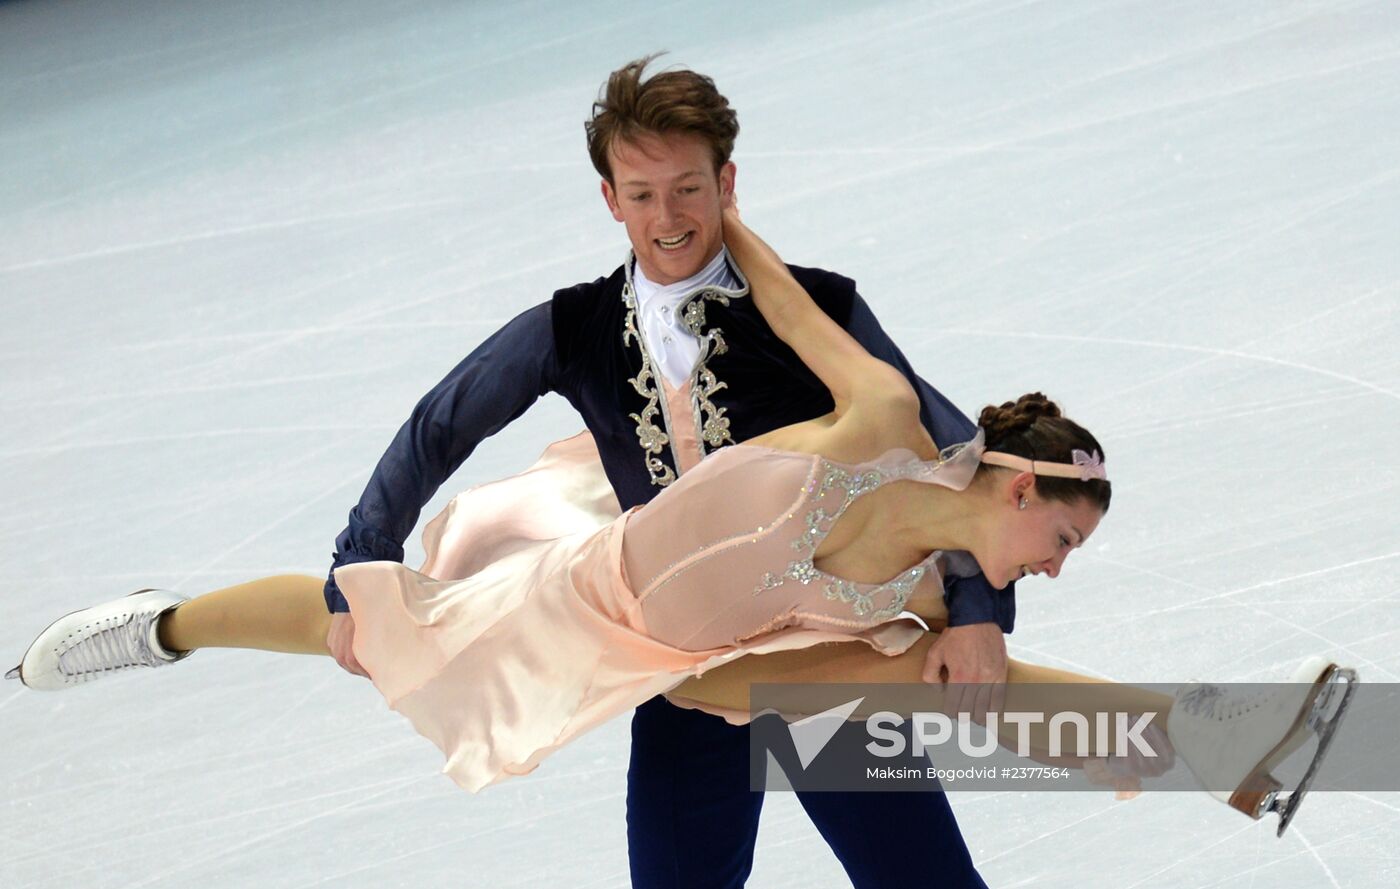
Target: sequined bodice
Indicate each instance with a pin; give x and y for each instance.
(726, 553)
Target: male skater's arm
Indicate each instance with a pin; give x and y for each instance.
(972, 649)
(492, 386)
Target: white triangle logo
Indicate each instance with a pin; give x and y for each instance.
(811, 735)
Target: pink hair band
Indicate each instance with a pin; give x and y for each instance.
(1084, 467)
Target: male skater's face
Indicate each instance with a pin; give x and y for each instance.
(666, 192)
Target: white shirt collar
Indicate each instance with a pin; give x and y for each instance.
(716, 273)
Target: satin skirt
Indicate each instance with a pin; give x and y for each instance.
(521, 632)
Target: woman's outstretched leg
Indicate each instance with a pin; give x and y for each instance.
(1030, 688)
(284, 613)
(1232, 742)
(153, 628)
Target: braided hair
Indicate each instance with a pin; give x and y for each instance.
(1033, 427)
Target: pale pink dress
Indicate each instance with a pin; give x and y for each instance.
(541, 613)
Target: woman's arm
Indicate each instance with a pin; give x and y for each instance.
(849, 372)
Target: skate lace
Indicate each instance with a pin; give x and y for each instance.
(1202, 700)
(1215, 702)
(119, 644)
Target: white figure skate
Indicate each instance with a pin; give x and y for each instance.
(1232, 742)
(98, 641)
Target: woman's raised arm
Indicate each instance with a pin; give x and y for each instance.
(849, 372)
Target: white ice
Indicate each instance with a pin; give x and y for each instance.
(238, 240)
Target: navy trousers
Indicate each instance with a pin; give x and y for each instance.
(692, 819)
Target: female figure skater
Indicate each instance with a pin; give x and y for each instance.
(534, 622)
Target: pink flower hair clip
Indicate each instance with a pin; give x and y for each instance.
(1089, 466)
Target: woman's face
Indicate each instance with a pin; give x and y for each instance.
(1037, 539)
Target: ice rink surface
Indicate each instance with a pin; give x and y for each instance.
(239, 239)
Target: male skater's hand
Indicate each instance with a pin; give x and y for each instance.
(339, 640)
(974, 657)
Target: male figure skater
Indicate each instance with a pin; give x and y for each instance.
(667, 360)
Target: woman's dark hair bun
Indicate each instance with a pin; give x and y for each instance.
(1013, 418)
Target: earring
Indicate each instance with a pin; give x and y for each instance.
(1023, 503)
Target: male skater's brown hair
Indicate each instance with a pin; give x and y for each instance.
(670, 102)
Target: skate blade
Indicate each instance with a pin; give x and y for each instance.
(1258, 794)
(1326, 728)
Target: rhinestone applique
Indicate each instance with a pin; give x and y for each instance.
(693, 315)
(845, 591)
(803, 571)
(819, 523)
(863, 604)
(770, 581)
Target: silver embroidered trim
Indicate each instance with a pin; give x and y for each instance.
(651, 437)
(711, 424)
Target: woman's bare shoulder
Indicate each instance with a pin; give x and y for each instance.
(808, 437)
(846, 439)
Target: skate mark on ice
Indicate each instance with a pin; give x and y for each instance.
(93, 743)
(201, 507)
(1234, 243)
(1184, 347)
(1332, 644)
(1275, 642)
(447, 68)
(1154, 110)
(1299, 630)
(227, 232)
(253, 336)
(141, 397)
(285, 517)
(292, 826)
(244, 41)
(1302, 838)
(1185, 606)
(1374, 801)
(181, 825)
(1230, 413)
(271, 723)
(338, 877)
(1185, 55)
(1046, 835)
(203, 434)
(368, 315)
(1197, 853)
(1269, 336)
